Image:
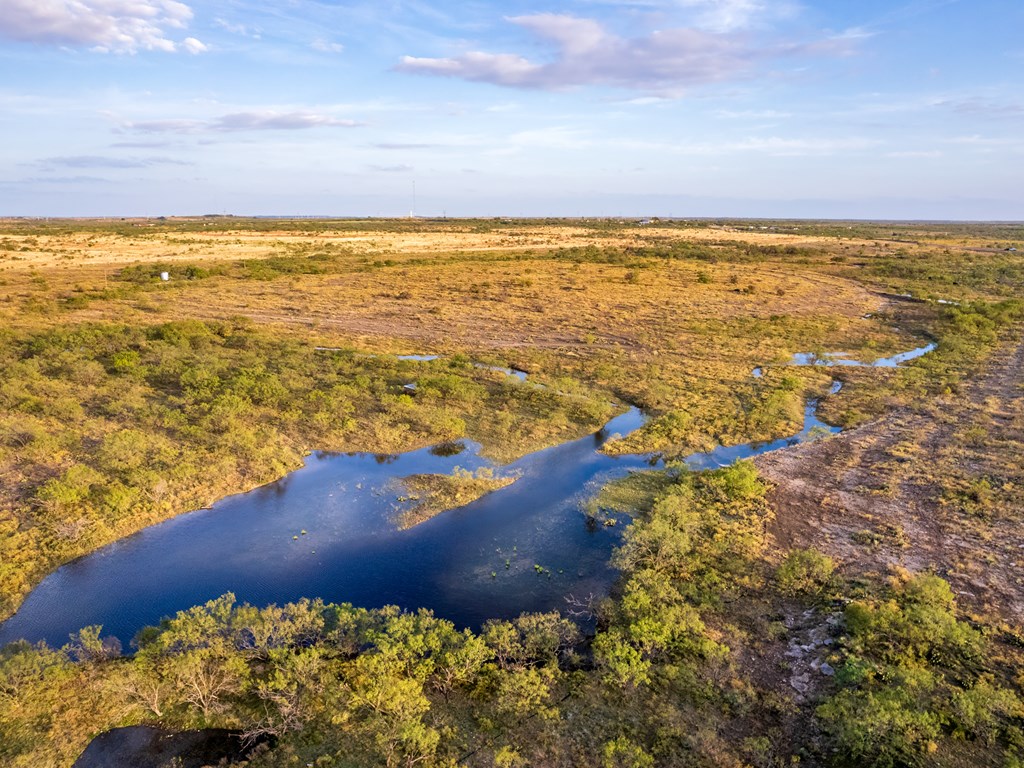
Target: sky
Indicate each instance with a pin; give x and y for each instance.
(876, 109)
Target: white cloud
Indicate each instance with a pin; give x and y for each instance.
(193, 46)
(326, 46)
(116, 26)
(266, 120)
(664, 62)
(498, 68)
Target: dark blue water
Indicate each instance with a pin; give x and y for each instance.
(351, 551)
(327, 530)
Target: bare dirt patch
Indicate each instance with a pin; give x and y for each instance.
(934, 489)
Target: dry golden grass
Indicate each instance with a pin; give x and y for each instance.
(147, 241)
(666, 334)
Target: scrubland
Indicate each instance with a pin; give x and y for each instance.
(796, 611)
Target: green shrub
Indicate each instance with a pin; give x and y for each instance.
(881, 729)
(623, 753)
(804, 571)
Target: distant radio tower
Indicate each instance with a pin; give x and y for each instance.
(412, 213)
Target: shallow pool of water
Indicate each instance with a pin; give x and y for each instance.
(843, 358)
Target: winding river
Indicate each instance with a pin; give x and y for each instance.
(327, 530)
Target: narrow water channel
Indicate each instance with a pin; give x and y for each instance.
(326, 530)
(351, 551)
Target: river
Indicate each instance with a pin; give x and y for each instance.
(326, 530)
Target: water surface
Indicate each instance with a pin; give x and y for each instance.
(843, 358)
(351, 551)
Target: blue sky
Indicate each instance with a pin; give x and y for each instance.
(765, 108)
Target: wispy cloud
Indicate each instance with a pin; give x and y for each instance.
(987, 144)
(244, 121)
(976, 140)
(714, 15)
(565, 138)
(645, 101)
(391, 168)
(752, 114)
(400, 145)
(63, 180)
(326, 46)
(101, 161)
(731, 15)
(985, 108)
(114, 26)
(278, 121)
(555, 137)
(586, 53)
(798, 147)
(243, 30)
(143, 144)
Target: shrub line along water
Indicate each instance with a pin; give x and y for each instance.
(327, 530)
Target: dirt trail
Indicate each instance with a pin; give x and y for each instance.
(880, 496)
